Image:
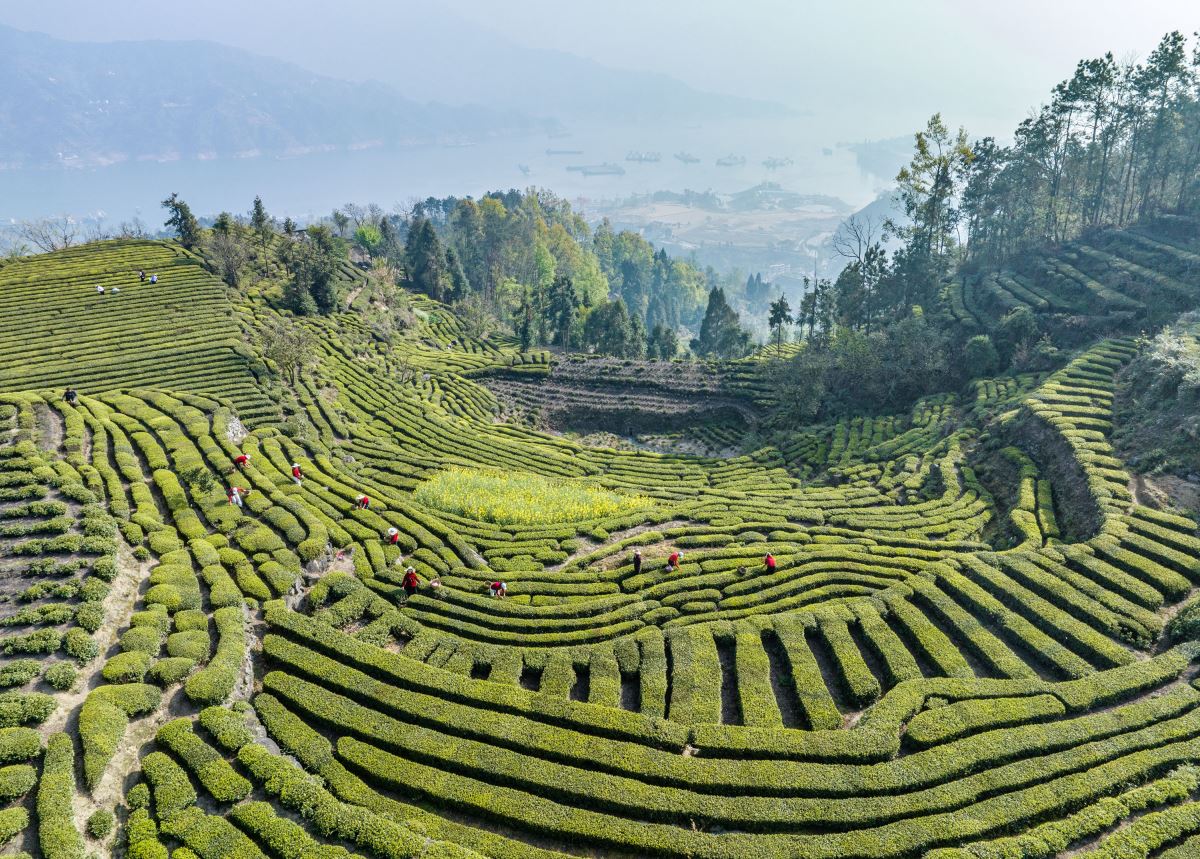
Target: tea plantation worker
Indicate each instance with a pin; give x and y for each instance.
(363, 502)
(393, 536)
(154, 278)
(70, 396)
(499, 589)
(115, 290)
(141, 275)
(297, 474)
(99, 289)
(769, 562)
(235, 496)
(637, 561)
(242, 460)
(673, 560)
(410, 581)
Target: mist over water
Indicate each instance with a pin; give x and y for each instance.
(311, 185)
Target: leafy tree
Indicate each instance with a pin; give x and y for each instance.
(780, 316)
(298, 298)
(609, 330)
(182, 221)
(980, 358)
(327, 252)
(1017, 328)
(227, 255)
(314, 264)
(721, 334)
(369, 238)
(290, 346)
(341, 222)
(928, 189)
(289, 226)
(1116, 142)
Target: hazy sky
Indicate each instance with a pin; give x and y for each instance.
(865, 67)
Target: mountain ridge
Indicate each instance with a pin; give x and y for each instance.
(93, 104)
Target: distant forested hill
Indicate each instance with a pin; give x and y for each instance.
(81, 103)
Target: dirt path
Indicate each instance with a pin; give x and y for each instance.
(616, 559)
(118, 606)
(50, 428)
(85, 446)
(1162, 491)
(134, 745)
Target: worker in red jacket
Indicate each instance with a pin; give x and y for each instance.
(241, 460)
(769, 561)
(673, 560)
(410, 581)
(297, 474)
(393, 536)
(363, 502)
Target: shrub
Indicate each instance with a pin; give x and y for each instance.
(100, 824)
(19, 672)
(61, 675)
(21, 708)
(57, 835)
(129, 667)
(80, 645)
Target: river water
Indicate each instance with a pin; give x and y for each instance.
(310, 185)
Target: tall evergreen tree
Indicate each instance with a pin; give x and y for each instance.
(458, 286)
(182, 221)
(663, 343)
(426, 260)
(523, 322)
(721, 334)
(562, 310)
(260, 221)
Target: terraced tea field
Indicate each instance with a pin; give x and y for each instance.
(961, 651)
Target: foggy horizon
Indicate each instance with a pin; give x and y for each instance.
(1004, 61)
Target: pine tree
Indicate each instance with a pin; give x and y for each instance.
(459, 287)
(223, 225)
(387, 237)
(721, 334)
(260, 221)
(426, 260)
(663, 343)
(562, 309)
(182, 221)
(523, 323)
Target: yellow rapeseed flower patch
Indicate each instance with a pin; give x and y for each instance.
(520, 498)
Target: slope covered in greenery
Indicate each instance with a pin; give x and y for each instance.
(961, 651)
